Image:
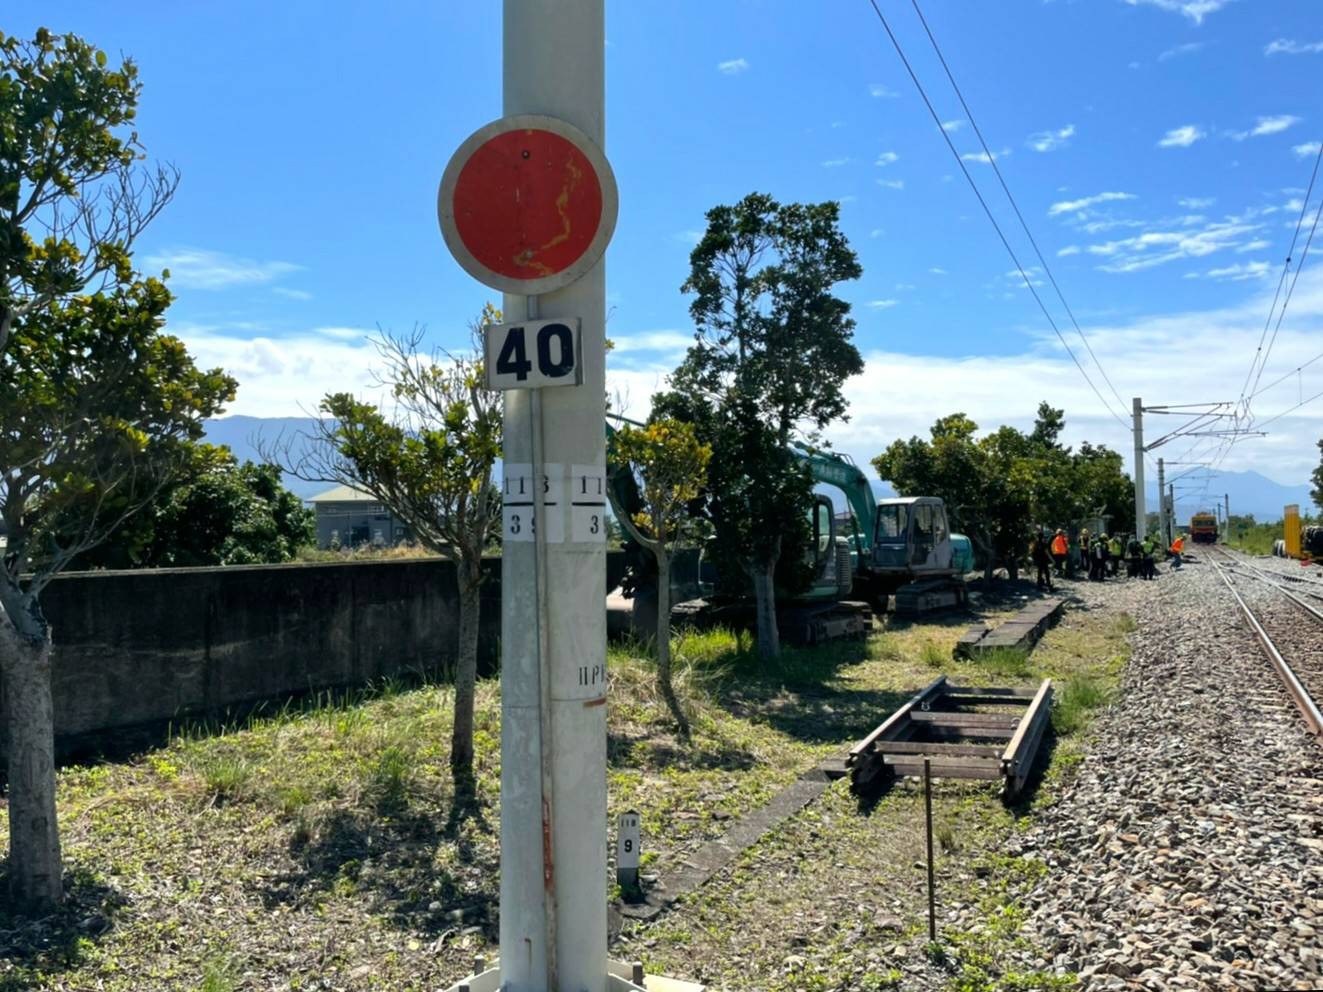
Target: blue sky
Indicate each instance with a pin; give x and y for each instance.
(1159, 150)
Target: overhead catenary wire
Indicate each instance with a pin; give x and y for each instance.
(1281, 281)
(1290, 290)
(987, 211)
(992, 160)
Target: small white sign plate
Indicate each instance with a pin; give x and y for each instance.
(518, 510)
(588, 504)
(533, 354)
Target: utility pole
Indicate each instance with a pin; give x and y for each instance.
(1171, 514)
(527, 205)
(553, 778)
(1140, 515)
(1162, 503)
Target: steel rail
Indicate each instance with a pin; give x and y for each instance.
(1299, 694)
(1267, 577)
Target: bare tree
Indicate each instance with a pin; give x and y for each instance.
(430, 463)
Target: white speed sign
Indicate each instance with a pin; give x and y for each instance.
(533, 353)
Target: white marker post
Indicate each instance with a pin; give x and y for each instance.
(627, 852)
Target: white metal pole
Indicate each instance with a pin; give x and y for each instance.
(554, 64)
(1171, 514)
(1140, 515)
(1162, 505)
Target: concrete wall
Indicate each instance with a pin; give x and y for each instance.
(141, 647)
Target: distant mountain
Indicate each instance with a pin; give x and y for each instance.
(1250, 492)
(243, 436)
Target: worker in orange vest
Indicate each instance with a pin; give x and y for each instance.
(1177, 546)
(1060, 548)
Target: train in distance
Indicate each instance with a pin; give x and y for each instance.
(1203, 528)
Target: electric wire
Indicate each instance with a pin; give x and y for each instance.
(1281, 281)
(992, 160)
(987, 210)
(1304, 254)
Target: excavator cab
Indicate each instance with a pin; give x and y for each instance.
(912, 536)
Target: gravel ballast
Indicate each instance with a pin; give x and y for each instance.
(1188, 852)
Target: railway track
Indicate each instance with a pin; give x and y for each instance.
(1281, 629)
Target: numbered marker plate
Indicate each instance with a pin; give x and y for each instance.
(518, 508)
(533, 354)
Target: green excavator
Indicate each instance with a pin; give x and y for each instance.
(900, 547)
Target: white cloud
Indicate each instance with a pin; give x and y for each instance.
(1074, 206)
(1240, 271)
(198, 268)
(1195, 10)
(1258, 244)
(631, 349)
(985, 158)
(1308, 148)
(689, 237)
(1267, 125)
(293, 294)
(1181, 137)
(887, 158)
(876, 232)
(951, 127)
(882, 92)
(342, 333)
(286, 376)
(1289, 47)
(1139, 354)
(1046, 141)
(1069, 250)
(836, 163)
(937, 271)
(1187, 49)
(1196, 202)
(892, 183)
(1154, 248)
(732, 67)
(881, 304)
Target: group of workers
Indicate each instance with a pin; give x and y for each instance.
(1100, 555)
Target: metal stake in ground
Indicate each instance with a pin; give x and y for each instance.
(932, 878)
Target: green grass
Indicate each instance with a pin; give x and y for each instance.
(316, 837)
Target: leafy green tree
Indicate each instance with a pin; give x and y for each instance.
(217, 512)
(998, 487)
(73, 197)
(76, 459)
(97, 406)
(772, 351)
(669, 465)
(1316, 494)
(430, 463)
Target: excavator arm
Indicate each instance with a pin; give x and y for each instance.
(840, 471)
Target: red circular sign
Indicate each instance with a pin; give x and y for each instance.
(527, 204)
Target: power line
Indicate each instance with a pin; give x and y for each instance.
(992, 160)
(993, 220)
(1281, 281)
(1291, 289)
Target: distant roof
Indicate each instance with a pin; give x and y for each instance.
(343, 494)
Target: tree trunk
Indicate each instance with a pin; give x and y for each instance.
(35, 868)
(764, 591)
(466, 676)
(664, 640)
(989, 562)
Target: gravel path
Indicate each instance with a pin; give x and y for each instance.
(1188, 853)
